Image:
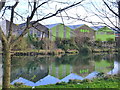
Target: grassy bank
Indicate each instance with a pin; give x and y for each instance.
(38, 52)
(100, 82)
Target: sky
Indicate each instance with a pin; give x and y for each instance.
(51, 7)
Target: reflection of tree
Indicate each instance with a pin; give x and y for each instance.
(117, 57)
(30, 68)
(107, 57)
(104, 62)
(73, 59)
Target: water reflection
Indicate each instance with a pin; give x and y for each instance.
(35, 71)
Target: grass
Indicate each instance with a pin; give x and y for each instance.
(100, 82)
(94, 84)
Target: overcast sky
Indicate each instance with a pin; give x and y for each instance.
(51, 7)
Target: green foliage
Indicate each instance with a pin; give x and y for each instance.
(74, 81)
(40, 43)
(86, 83)
(110, 40)
(33, 40)
(18, 84)
(84, 50)
(101, 74)
(61, 83)
(21, 44)
(65, 44)
(86, 80)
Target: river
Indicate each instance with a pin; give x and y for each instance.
(36, 70)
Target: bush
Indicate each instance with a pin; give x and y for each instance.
(61, 83)
(17, 84)
(86, 80)
(74, 81)
(101, 74)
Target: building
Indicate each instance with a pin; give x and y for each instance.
(59, 31)
(84, 31)
(5, 24)
(117, 38)
(37, 30)
(104, 34)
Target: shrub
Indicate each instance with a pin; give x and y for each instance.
(17, 84)
(86, 80)
(74, 81)
(61, 83)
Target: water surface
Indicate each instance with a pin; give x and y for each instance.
(35, 70)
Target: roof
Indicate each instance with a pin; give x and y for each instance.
(52, 25)
(24, 81)
(36, 26)
(75, 26)
(47, 80)
(97, 27)
(91, 75)
(7, 23)
(71, 76)
(103, 28)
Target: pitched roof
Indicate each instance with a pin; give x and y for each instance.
(47, 80)
(75, 26)
(97, 27)
(71, 76)
(52, 25)
(36, 26)
(24, 81)
(91, 75)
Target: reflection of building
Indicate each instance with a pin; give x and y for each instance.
(71, 76)
(29, 72)
(47, 80)
(60, 71)
(84, 70)
(116, 69)
(24, 81)
(103, 66)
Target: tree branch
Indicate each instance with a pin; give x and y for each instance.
(2, 36)
(58, 11)
(111, 9)
(11, 22)
(32, 14)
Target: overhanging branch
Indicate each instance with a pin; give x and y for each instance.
(32, 14)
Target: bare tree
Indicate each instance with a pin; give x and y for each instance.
(100, 12)
(8, 43)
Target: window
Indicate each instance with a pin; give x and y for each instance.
(82, 30)
(110, 33)
(102, 33)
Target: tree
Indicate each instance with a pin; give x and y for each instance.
(8, 43)
(100, 12)
(2, 4)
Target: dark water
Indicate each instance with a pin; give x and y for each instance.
(35, 71)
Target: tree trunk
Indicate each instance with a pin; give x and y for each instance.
(6, 65)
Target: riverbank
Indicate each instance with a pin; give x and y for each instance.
(42, 52)
(104, 50)
(108, 81)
